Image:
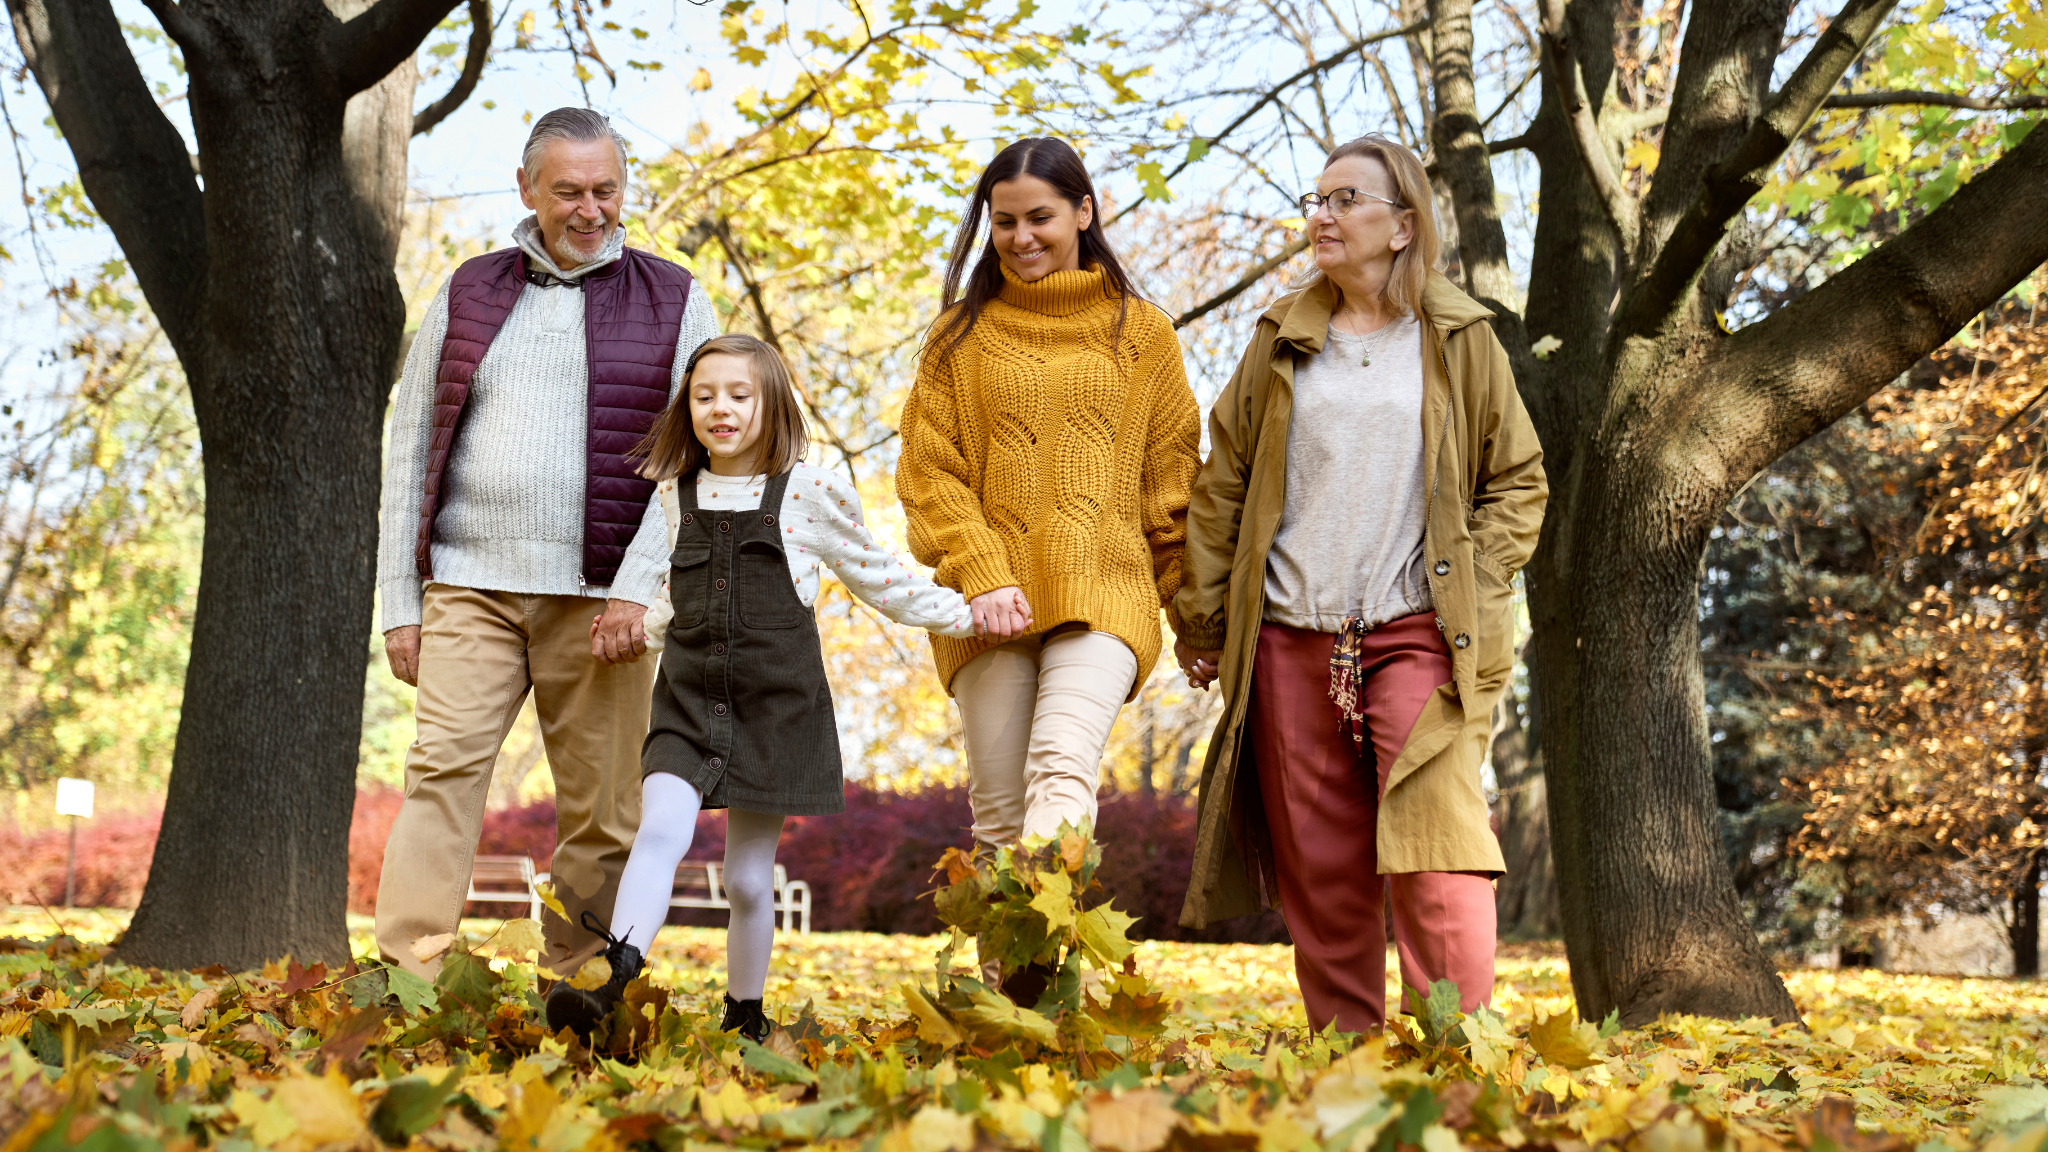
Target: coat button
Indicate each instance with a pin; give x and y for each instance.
(725, 525)
(689, 518)
(718, 649)
(719, 708)
(1443, 567)
(715, 763)
(719, 584)
(768, 520)
(1463, 641)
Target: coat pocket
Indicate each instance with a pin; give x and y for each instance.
(689, 583)
(1496, 620)
(767, 599)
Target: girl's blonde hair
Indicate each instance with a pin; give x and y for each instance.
(671, 447)
(1424, 253)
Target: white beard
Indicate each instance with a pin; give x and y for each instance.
(566, 255)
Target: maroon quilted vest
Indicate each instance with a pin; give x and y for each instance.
(632, 313)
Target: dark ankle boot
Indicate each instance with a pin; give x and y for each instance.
(583, 1009)
(747, 1017)
(1027, 984)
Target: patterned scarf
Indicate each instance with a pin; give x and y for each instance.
(1347, 679)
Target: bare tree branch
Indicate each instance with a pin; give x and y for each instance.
(1243, 285)
(1273, 93)
(364, 50)
(1826, 352)
(1732, 181)
(1623, 212)
(131, 161)
(1944, 99)
(424, 120)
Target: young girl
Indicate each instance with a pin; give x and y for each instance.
(742, 716)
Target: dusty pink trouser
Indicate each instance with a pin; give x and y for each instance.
(1322, 801)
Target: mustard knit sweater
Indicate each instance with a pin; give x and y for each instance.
(1039, 455)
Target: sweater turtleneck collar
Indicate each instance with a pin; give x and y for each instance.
(1056, 293)
(527, 235)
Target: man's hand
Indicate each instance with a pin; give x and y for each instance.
(1199, 663)
(1001, 614)
(620, 635)
(402, 653)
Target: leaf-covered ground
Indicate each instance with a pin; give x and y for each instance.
(100, 1055)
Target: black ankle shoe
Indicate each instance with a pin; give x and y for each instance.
(583, 1009)
(1026, 985)
(747, 1017)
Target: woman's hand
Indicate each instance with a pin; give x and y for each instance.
(1199, 663)
(1001, 614)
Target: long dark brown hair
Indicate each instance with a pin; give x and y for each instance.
(1055, 162)
(671, 447)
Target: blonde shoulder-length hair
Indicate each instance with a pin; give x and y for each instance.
(1424, 253)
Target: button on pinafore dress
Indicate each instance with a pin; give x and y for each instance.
(741, 707)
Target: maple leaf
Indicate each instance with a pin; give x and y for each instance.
(410, 1105)
(932, 1025)
(348, 1036)
(1562, 1041)
(298, 978)
(1104, 935)
(325, 1110)
(1137, 1016)
(427, 947)
(1137, 1121)
(994, 1015)
(1055, 900)
(194, 1013)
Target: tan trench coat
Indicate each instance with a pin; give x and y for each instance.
(1485, 471)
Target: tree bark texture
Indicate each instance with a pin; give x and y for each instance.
(1653, 417)
(2025, 931)
(1525, 900)
(275, 286)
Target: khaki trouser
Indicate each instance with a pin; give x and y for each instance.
(480, 652)
(1036, 713)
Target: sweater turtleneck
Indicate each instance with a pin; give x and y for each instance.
(1057, 293)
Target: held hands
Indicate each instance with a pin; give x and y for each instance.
(1200, 664)
(1001, 614)
(620, 635)
(402, 652)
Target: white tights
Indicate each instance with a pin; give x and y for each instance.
(668, 821)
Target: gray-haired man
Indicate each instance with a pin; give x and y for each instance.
(513, 519)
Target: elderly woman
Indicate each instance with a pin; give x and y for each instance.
(1372, 486)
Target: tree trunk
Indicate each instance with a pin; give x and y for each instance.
(1651, 919)
(1525, 903)
(285, 312)
(2026, 918)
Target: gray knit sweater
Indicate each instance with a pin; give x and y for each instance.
(513, 517)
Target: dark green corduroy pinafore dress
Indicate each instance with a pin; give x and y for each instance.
(741, 708)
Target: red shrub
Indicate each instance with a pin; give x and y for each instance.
(114, 852)
(870, 868)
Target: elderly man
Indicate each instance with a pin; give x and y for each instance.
(513, 518)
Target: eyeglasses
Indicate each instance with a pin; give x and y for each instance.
(1340, 202)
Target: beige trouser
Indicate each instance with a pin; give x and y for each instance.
(480, 653)
(1037, 713)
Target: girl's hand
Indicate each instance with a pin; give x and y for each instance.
(1001, 614)
(1200, 664)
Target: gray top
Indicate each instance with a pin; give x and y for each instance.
(1350, 536)
(512, 520)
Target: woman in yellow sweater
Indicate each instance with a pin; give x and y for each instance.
(1048, 448)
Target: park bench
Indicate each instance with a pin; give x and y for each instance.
(505, 880)
(699, 884)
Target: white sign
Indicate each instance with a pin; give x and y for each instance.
(74, 797)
